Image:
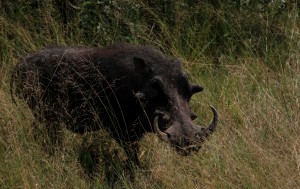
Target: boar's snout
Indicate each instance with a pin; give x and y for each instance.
(186, 138)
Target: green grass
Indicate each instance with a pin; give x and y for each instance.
(255, 90)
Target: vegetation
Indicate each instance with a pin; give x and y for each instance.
(246, 54)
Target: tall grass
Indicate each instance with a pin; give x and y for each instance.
(247, 60)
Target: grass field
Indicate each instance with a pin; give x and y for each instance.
(257, 142)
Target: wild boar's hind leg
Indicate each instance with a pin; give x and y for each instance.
(49, 134)
(132, 150)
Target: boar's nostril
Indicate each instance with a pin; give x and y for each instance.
(193, 116)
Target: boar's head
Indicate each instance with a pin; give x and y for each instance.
(166, 93)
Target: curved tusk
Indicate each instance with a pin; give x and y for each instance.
(212, 127)
(162, 135)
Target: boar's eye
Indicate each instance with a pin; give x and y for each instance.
(156, 83)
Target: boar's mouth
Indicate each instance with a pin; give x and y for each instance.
(195, 145)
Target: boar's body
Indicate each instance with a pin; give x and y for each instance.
(126, 89)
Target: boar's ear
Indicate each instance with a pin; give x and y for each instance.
(141, 66)
(196, 88)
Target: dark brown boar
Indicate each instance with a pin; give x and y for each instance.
(127, 89)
